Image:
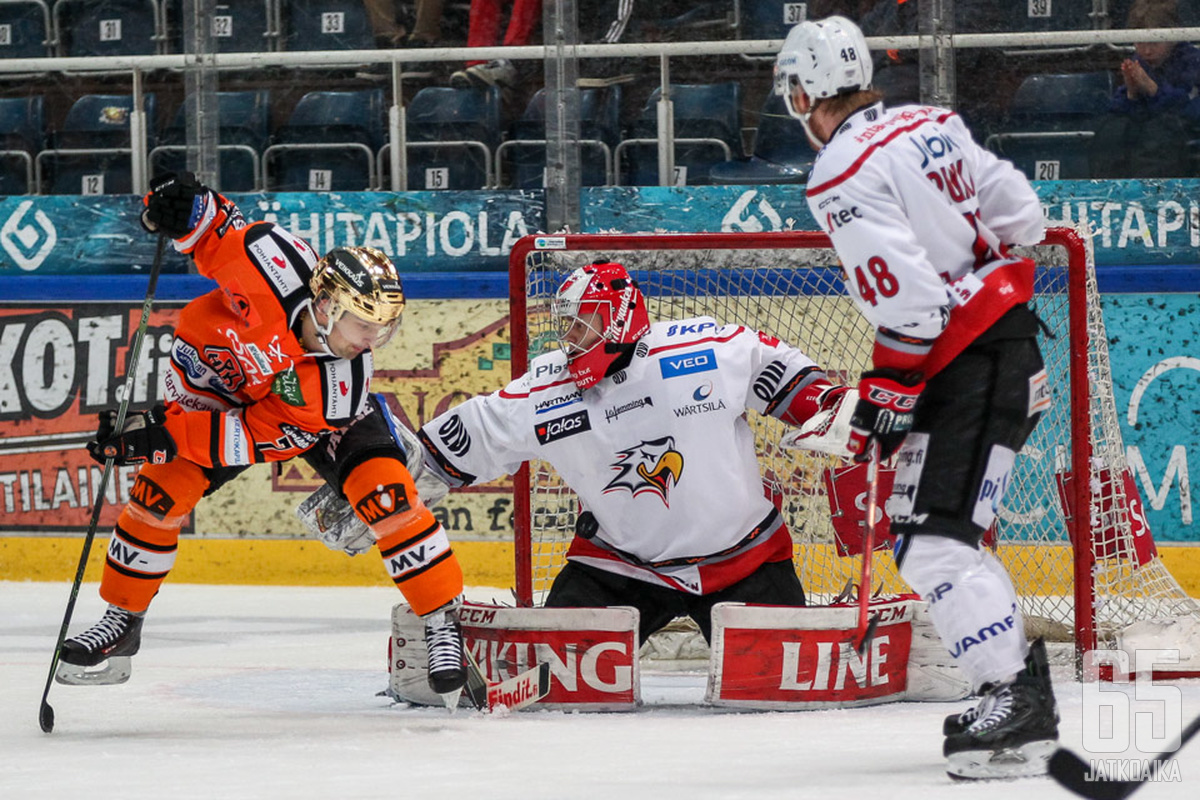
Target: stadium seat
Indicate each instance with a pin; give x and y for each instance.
(242, 132)
(96, 129)
(24, 29)
(21, 137)
(1051, 122)
(708, 130)
(328, 144)
(782, 153)
(106, 28)
(326, 25)
(237, 26)
(1054, 15)
(599, 132)
(768, 19)
(452, 134)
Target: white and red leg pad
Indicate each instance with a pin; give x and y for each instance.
(592, 653)
(775, 657)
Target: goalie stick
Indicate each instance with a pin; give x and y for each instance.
(1075, 774)
(45, 711)
(513, 694)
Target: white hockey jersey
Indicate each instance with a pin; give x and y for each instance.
(920, 216)
(660, 452)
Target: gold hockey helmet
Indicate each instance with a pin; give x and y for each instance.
(363, 282)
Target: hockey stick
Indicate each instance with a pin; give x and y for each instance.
(866, 628)
(512, 694)
(45, 712)
(1075, 774)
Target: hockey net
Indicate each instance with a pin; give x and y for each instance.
(789, 285)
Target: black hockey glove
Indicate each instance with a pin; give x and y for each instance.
(887, 399)
(173, 204)
(143, 439)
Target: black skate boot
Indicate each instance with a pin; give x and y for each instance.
(1015, 730)
(957, 723)
(447, 661)
(109, 644)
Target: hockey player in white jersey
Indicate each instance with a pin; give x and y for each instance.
(646, 423)
(921, 218)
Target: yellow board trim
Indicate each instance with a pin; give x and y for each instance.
(299, 562)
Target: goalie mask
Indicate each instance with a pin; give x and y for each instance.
(824, 59)
(357, 300)
(600, 313)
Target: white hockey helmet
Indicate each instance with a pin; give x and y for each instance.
(825, 58)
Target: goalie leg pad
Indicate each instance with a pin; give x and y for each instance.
(971, 602)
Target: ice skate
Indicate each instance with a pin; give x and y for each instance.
(1015, 729)
(107, 645)
(447, 662)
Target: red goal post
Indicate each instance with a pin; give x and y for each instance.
(788, 284)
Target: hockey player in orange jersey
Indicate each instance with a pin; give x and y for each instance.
(274, 363)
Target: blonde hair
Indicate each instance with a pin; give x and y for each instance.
(1154, 14)
(843, 105)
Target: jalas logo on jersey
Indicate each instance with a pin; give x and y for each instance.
(653, 466)
(562, 427)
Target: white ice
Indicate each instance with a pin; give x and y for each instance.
(251, 692)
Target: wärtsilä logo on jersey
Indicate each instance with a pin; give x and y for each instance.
(653, 466)
(562, 427)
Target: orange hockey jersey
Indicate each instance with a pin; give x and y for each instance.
(242, 388)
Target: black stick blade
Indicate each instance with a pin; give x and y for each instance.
(46, 717)
(1075, 774)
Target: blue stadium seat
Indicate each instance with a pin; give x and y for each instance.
(327, 25)
(782, 153)
(24, 29)
(708, 112)
(1051, 122)
(599, 133)
(98, 126)
(21, 137)
(242, 132)
(237, 26)
(107, 27)
(768, 19)
(328, 144)
(452, 134)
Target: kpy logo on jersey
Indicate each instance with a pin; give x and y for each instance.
(653, 466)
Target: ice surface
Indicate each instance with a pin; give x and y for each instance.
(249, 692)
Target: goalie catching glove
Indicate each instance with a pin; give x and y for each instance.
(828, 430)
(887, 400)
(143, 438)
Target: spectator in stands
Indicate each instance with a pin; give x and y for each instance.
(1155, 106)
(391, 27)
(484, 30)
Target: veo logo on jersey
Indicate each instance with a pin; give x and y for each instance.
(561, 428)
(688, 363)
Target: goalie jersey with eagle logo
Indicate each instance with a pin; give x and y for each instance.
(660, 452)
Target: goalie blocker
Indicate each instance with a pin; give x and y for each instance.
(762, 657)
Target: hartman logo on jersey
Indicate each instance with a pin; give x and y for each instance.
(555, 403)
(562, 427)
(688, 363)
(654, 466)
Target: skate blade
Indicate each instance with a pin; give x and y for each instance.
(451, 699)
(116, 669)
(1027, 761)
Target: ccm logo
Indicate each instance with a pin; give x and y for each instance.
(893, 400)
(563, 427)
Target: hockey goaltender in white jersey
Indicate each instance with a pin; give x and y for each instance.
(648, 428)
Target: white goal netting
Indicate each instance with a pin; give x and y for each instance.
(789, 285)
